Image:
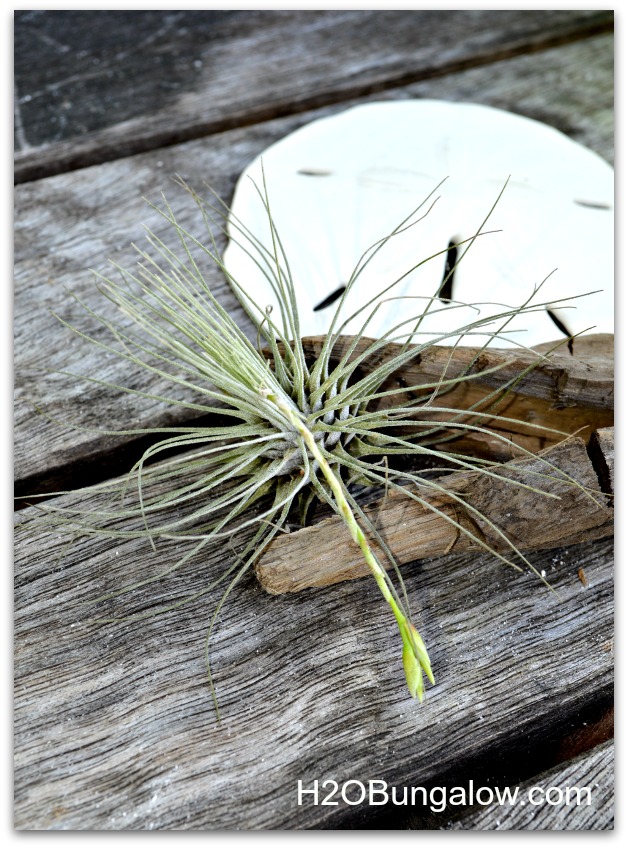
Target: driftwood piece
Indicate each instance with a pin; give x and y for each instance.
(571, 391)
(158, 78)
(313, 557)
(69, 223)
(114, 723)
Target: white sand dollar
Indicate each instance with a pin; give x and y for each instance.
(339, 184)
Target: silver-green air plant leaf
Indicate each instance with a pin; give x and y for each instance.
(298, 430)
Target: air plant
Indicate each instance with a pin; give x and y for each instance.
(290, 431)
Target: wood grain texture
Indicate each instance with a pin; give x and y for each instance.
(570, 88)
(412, 531)
(71, 222)
(114, 83)
(114, 724)
(594, 769)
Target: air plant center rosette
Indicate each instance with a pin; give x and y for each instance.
(305, 430)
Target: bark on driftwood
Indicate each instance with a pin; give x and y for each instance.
(573, 510)
(570, 391)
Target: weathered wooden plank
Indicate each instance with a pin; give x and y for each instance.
(113, 83)
(311, 557)
(593, 770)
(115, 726)
(68, 223)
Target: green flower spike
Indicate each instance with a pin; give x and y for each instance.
(415, 657)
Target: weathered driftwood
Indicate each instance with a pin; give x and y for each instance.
(569, 391)
(412, 530)
(72, 222)
(80, 103)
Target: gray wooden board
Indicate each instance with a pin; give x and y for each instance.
(115, 727)
(593, 770)
(111, 83)
(71, 222)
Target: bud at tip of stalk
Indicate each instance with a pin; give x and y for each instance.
(414, 674)
(415, 660)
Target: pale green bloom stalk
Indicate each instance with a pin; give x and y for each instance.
(415, 656)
